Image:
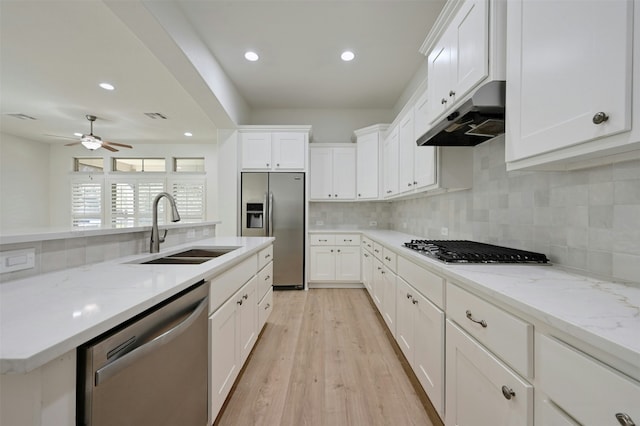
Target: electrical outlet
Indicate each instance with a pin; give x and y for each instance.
(444, 231)
(191, 233)
(373, 223)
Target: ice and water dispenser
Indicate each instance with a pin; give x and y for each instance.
(255, 215)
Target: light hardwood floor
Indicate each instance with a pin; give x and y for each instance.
(325, 358)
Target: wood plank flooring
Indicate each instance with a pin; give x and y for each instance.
(325, 358)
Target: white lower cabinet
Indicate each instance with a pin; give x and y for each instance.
(420, 335)
(389, 298)
(335, 258)
(235, 325)
(377, 283)
(481, 389)
(367, 270)
(576, 389)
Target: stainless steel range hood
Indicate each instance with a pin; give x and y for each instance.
(477, 120)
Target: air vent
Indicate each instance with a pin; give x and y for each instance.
(155, 115)
(21, 116)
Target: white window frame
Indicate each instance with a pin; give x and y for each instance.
(189, 214)
(86, 179)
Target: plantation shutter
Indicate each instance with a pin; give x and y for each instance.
(86, 204)
(190, 199)
(131, 201)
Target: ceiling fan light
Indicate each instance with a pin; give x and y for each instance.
(91, 142)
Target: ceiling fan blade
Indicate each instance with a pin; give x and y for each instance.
(109, 148)
(59, 137)
(124, 145)
(72, 143)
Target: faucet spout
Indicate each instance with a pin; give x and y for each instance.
(156, 239)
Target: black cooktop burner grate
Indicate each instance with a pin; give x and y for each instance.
(463, 251)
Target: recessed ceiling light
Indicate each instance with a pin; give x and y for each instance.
(251, 56)
(107, 86)
(188, 134)
(347, 56)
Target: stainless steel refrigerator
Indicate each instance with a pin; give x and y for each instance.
(273, 205)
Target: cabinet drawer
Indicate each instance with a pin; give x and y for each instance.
(265, 280)
(347, 239)
(264, 309)
(367, 244)
(226, 284)
(377, 250)
(587, 390)
(427, 283)
(322, 240)
(389, 259)
(507, 336)
(265, 256)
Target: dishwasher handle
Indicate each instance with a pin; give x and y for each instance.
(111, 369)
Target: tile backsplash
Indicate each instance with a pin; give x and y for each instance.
(585, 219)
(356, 215)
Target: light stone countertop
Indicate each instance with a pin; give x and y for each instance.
(603, 314)
(45, 316)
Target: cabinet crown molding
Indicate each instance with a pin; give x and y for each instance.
(442, 22)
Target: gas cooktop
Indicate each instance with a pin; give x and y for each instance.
(463, 251)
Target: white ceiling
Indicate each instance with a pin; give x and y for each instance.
(54, 54)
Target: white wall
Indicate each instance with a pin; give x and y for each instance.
(24, 183)
(328, 125)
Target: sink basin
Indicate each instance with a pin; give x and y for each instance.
(192, 256)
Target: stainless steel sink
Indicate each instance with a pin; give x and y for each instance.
(192, 256)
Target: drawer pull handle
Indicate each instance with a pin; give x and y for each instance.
(483, 323)
(414, 301)
(323, 240)
(409, 296)
(377, 251)
(624, 419)
(266, 256)
(508, 392)
(267, 277)
(245, 297)
(267, 307)
(239, 302)
(348, 240)
(366, 255)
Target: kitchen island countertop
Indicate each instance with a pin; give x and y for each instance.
(45, 316)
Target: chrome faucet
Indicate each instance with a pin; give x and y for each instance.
(156, 239)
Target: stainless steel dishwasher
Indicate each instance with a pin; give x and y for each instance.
(152, 370)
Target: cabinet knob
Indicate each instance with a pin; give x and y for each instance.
(443, 101)
(267, 307)
(329, 195)
(359, 195)
(267, 164)
(245, 297)
(267, 278)
(239, 302)
(277, 164)
(415, 182)
(451, 93)
(508, 392)
(624, 419)
(483, 323)
(600, 118)
(414, 301)
(335, 195)
(409, 184)
(409, 296)
(338, 250)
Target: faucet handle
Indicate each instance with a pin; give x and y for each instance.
(161, 239)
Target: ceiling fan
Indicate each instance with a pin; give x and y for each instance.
(93, 142)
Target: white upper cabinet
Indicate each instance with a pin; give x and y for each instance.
(368, 170)
(272, 149)
(570, 92)
(459, 60)
(407, 146)
(390, 161)
(332, 172)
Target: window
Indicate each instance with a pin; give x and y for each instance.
(86, 203)
(190, 199)
(185, 165)
(88, 164)
(139, 165)
(131, 202)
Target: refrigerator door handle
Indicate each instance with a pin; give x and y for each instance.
(270, 230)
(266, 206)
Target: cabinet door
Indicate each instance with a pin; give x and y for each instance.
(320, 174)
(225, 353)
(289, 151)
(405, 319)
(559, 80)
(391, 163)
(378, 283)
(256, 151)
(406, 143)
(367, 168)
(439, 75)
(367, 271)
(470, 52)
(480, 389)
(424, 166)
(323, 260)
(421, 115)
(389, 299)
(344, 173)
(428, 355)
(348, 263)
(248, 317)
